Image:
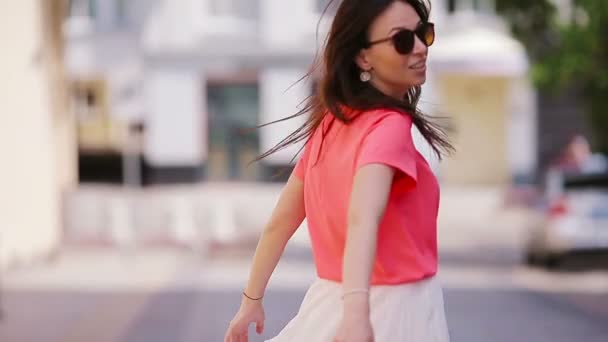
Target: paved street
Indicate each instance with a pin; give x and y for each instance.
(170, 296)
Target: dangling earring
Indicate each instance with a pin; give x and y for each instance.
(365, 76)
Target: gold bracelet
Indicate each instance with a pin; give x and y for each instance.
(353, 291)
(244, 294)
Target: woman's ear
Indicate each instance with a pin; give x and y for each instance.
(363, 61)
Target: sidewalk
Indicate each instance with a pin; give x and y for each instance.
(219, 214)
(100, 269)
(472, 222)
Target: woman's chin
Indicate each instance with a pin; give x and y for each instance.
(419, 81)
(416, 83)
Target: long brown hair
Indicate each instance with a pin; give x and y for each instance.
(340, 85)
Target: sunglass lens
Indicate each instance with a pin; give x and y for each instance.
(404, 42)
(427, 34)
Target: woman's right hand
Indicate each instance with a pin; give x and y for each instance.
(355, 328)
(251, 311)
(356, 325)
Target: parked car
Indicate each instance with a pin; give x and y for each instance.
(573, 219)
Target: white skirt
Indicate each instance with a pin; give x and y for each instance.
(411, 312)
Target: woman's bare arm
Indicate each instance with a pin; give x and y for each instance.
(369, 196)
(286, 217)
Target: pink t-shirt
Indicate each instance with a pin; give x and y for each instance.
(407, 236)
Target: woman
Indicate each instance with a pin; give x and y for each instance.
(369, 197)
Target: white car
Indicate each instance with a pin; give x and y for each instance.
(573, 219)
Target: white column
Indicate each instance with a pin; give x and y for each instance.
(176, 121)
(429, 104)
(522, 127)
(276, 102)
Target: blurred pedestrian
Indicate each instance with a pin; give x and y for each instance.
(370, 199)
(577, 157)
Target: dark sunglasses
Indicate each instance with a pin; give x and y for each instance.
(404, 40)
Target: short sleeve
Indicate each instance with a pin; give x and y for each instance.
(390, 142)
(302, 163)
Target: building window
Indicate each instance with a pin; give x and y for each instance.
(121, 12)
(245, 9)
(233, 140)
(83, 8)
(451, 6)
(477, 5)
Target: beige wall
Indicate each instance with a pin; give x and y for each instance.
(36, 139)
(64, 123)
(478, 106)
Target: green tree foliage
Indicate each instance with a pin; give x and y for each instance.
(567, 50)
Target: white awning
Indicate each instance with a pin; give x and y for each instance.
(479, 50)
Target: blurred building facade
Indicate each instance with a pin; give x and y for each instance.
(178, 83)
(37, 141)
